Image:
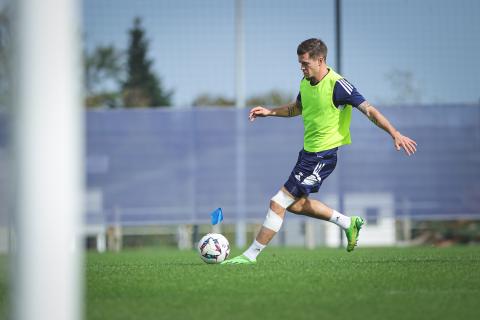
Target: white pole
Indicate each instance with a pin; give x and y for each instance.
(239, 55)
(48, 160)
(240, 231)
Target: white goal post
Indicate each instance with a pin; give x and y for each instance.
(47, 160)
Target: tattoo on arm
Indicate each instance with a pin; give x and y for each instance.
(363, 107)
(291, 110)
(294, 109)
(377, 118)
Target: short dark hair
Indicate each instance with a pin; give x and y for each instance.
(314, 47)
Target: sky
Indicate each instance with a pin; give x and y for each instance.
(432, 46)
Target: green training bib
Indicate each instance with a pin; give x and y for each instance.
(325, 125)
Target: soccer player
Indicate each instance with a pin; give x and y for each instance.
(325, 102)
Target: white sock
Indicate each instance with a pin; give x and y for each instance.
(253, 251)
(340, 220)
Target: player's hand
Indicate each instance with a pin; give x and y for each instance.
(406, 143)
(259, 112)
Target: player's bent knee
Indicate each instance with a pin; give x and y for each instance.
(297, 206)
(282, 199)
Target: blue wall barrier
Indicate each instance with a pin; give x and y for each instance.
(176, 166)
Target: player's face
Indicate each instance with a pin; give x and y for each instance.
(309, 66)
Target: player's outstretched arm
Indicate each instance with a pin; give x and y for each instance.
(290, 110)
(400, 141)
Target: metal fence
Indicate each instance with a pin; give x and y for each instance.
(170, 166)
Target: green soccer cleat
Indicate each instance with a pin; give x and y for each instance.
(353, 231)
(241, 259)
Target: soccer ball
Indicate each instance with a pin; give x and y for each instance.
(213, 248)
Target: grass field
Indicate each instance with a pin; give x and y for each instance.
(390, 283)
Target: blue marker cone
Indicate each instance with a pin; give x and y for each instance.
(217, 216)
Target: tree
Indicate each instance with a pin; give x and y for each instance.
(103, 76)
(271, 98)
(142, 87)
(207, 100)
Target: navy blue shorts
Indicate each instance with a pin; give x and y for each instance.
(310, 171)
